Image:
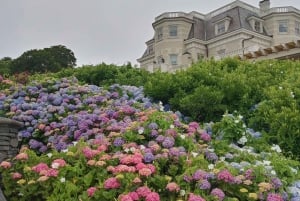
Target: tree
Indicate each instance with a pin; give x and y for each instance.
(5, 63)
(50, 59)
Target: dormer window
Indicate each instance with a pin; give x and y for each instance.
(221, 26)
(256, 24)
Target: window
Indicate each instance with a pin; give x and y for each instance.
(257, 26)
(283, 26)
(173, 30)
(173, 59)
(297, 28)
(159, 33)
(221, 27)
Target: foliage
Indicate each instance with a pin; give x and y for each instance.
(5, 63)
(85, 142)
(50, 59)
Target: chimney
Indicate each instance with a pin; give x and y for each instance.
(264, 5)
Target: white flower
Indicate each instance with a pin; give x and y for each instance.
(64, 150)
(49, 155)
(55, 165)
(172, 126)
(126, 150)
(74, 143)
(161, 107)
(222, 158)
(132, 149)
(141, 130)
(292, 94)
(236, 121)
(182, 192)
(240, 117)
(62, 180)
(211, 166)
(142, 147)
(294, 170)
(273, 172)
(280, 87)
(266, 162)
(276, 148)
(182, 136)
(242, 140)
(194, 154)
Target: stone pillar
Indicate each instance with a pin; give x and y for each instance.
(8, 141)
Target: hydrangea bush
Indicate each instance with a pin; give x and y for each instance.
(83, 142)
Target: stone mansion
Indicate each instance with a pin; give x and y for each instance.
(234, 30)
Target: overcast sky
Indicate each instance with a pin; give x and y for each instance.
(110, 31)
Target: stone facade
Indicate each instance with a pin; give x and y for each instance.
(8, 141)
(234, 30)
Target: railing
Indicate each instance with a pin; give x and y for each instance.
(173, 15)
(281, 10)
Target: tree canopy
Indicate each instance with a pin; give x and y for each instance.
(50, 59)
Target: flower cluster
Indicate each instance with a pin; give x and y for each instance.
(116, 145)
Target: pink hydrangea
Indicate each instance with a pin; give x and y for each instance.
(22, 156)
(111, 183)
(89, 153)
(125, 198)
(91, 191)
(140, 166)
(274, 197)
(143, 191)
(151, 167)
(193, 197)
(152, 196)
(57, 163)
(51, 172)
(173, 187)
(16, 175)
(40, 167)
(5, 164)
(225, 176)
(205, 137)
(134, 196)
(145, 172)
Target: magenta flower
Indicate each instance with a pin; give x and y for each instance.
(111, 183)
(143, 191)
(152, 196)
(274, 197)
(91, 191)
(193, 197)
(225, 176)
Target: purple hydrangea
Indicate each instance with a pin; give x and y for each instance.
(118, 142)
(218, 193)
(204, 185)
(168, 142)
(148, 157)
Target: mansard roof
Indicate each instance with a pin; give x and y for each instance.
(204, 29)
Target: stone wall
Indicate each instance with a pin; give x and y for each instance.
(8, 141)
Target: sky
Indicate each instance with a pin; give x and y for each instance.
(109, 31)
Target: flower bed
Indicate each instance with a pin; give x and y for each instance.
(85, 142)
